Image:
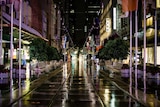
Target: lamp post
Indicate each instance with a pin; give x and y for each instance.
(20, 32)
(1, 35)
(64, 39)
(92, 52)
(11, 45)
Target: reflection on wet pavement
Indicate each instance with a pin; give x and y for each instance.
(77, 84)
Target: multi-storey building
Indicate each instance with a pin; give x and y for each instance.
(111, 23)
(40, 19)
(109, 19)
(79, 18)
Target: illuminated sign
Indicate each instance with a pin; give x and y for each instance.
(114, 18)
(158, 3)
(108, 25)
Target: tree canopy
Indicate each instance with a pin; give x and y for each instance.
(114, 49)
(43, 52)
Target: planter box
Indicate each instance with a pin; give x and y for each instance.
(151, 81)
(126, 75)
(139, 73)
(4, 75)
(124, 72)
(22, 76)
(158, 81)
(4, 81)
(150, 75)
(23, 73)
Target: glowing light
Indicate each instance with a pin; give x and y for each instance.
(65, 70)
(108, 25)
(114, 18)
(106, 95)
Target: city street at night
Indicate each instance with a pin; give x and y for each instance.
(79, 53)
(77, 83)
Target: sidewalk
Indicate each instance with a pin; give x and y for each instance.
(139, 94)
(15, 93)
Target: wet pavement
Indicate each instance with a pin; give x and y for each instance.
(77, 84)
(145, 91)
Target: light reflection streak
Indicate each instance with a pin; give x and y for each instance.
(26, 89)
(74, 64)
(19, 94)
(65, 71)
(130, 89)
(91, 94)
(27, 85)
(156, 98)
(144, 90)
(0, 98)
(136, 93)
(130, 84)
(80, 64)
(107, 96)
(11, 90)
(113, 100)
(97, 69)
(65, 93)
(27, 71)
(87, 83)
(93, 70)
(130, 100)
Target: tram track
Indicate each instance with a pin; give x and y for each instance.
(75, 88)
(59, 89)
(98, 95)
(38, 87)
(80, 92)
(121, 86)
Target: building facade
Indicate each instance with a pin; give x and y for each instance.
(40, 19)
(111, 23)
(79, 18)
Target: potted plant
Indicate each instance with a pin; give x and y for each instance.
(139, 70)
(153, 71)
(115, 50)
(125, 70)
(125, 67)
(43, 53)
(4, 73)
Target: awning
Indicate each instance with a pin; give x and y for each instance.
(29, 33)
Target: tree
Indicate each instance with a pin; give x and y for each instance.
(114, 49)
(102, 54)
(121, 49)
(52, 53)
(38, 50)
(43, 52)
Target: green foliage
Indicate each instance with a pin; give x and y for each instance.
(38, 49)
(102, 54)
(43, 52)
(52, 53)
(121, 49)
(114, 49)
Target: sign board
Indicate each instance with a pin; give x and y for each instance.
(108, 24)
